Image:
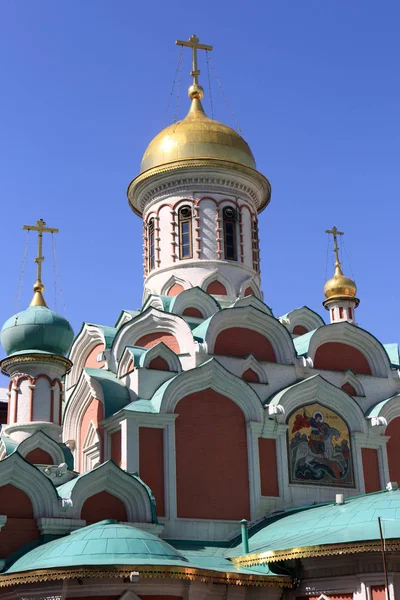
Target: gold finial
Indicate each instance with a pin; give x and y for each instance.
(335, 232)
(195, 90)
(38, 288)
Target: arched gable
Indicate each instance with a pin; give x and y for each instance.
(250, 287)
(20, 473)
(316, 389)
(110, 478)
(253, 319)
(210, 374)
(252, 364)
(91, 340)
(174, 280)
(39, 440)
(352, 336)
(302, 317)
(216, 276)
(194, 298)
(351, 379)
(160, 350)
(254, 302)
(152, 321)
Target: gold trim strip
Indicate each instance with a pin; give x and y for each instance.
(147, 572)
(34, 357)
(314, 551)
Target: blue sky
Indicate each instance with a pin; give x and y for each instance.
(316, 91)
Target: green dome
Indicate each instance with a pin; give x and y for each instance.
(37, 328)
(104, 543)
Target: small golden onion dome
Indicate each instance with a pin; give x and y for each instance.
(340, 287)
(197, 136)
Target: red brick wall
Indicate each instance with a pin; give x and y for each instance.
(20, 527)
(268, 467)
(371, 469)
(95, 413)
(378, 592)
(151, 463)
(151, 339)
(39, 457)
(212, 476)
(175, 290)
(340, 357)
(393, 449)
(103, 506)
(159, 363)
(215, 287)
(238, 341)
(116, 447)
(91, 358)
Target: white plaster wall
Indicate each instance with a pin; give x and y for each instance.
(165, 235)
(56, 405)
(24, 402)
(41, 400)
(207, 213)
(247, 247)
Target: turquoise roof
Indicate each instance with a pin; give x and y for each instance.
(116, 394)
(374, 410)
(9, 444)
(392, 350)
(165, 300)
(37, 328)
(104, 543)
(354, 521)
(132, 313)
(302, 342)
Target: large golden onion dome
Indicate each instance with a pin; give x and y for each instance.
(340, 287)
(197, 136)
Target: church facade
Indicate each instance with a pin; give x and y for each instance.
(200, 446)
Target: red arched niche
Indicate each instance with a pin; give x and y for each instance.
(91, 359)
(215, 287)
(212, 478)
(347, 387)
(159, 363)
(250, 376)
(175, 289)
(249, 292)
(299, 330)
(238, 341)
(103, 506)
(393, 449)
(336, 356)
(151, 339)
(192, 312)
(39, 457)
(20, 527)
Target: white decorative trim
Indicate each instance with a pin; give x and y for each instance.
(389, 411)
(212, 374)
(174, 279)
(110, 478)
(254, 302)
(16, 471)
(216, 275)
(59, 526)
(252, 318)
(252, 363)
(91, 449)
(155, 301)
(42, 441)
(317, 389)
(253, 285)
(346, 333)
(195, 298)
(160, 350)
(82, 395)
(302, 316)
(89, 337)
(351, 378)
(152, 321)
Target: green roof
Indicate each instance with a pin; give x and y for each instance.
(302, 342)
(104, 543)
(392, 350)
(116, 394)
(354, 521)
(375, 409)
(37, 328)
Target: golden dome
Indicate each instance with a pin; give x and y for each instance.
(340, 287)
(197, 136)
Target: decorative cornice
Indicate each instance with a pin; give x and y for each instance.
(187, 175)
(54, 359)
(145, 572)
(315, 551)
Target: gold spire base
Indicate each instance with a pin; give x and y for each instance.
(38, 299)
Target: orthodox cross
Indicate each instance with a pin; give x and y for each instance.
(193, 43)
(335, 232)
(41, 228)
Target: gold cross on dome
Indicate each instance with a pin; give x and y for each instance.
(193, 43)
(335, 232)
(38, 288)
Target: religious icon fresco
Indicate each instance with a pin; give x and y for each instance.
(319, 447)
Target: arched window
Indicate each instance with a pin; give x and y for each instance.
(230, 218)
(151, 245)
(185, 232)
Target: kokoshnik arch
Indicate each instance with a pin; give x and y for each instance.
(143, 450)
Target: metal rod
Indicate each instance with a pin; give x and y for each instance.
(245, 536)
(384, 559)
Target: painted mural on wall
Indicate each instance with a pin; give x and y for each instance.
(319, 447)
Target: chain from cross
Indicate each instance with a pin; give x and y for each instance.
(41, 228)
(335, 232)
(193, 43)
